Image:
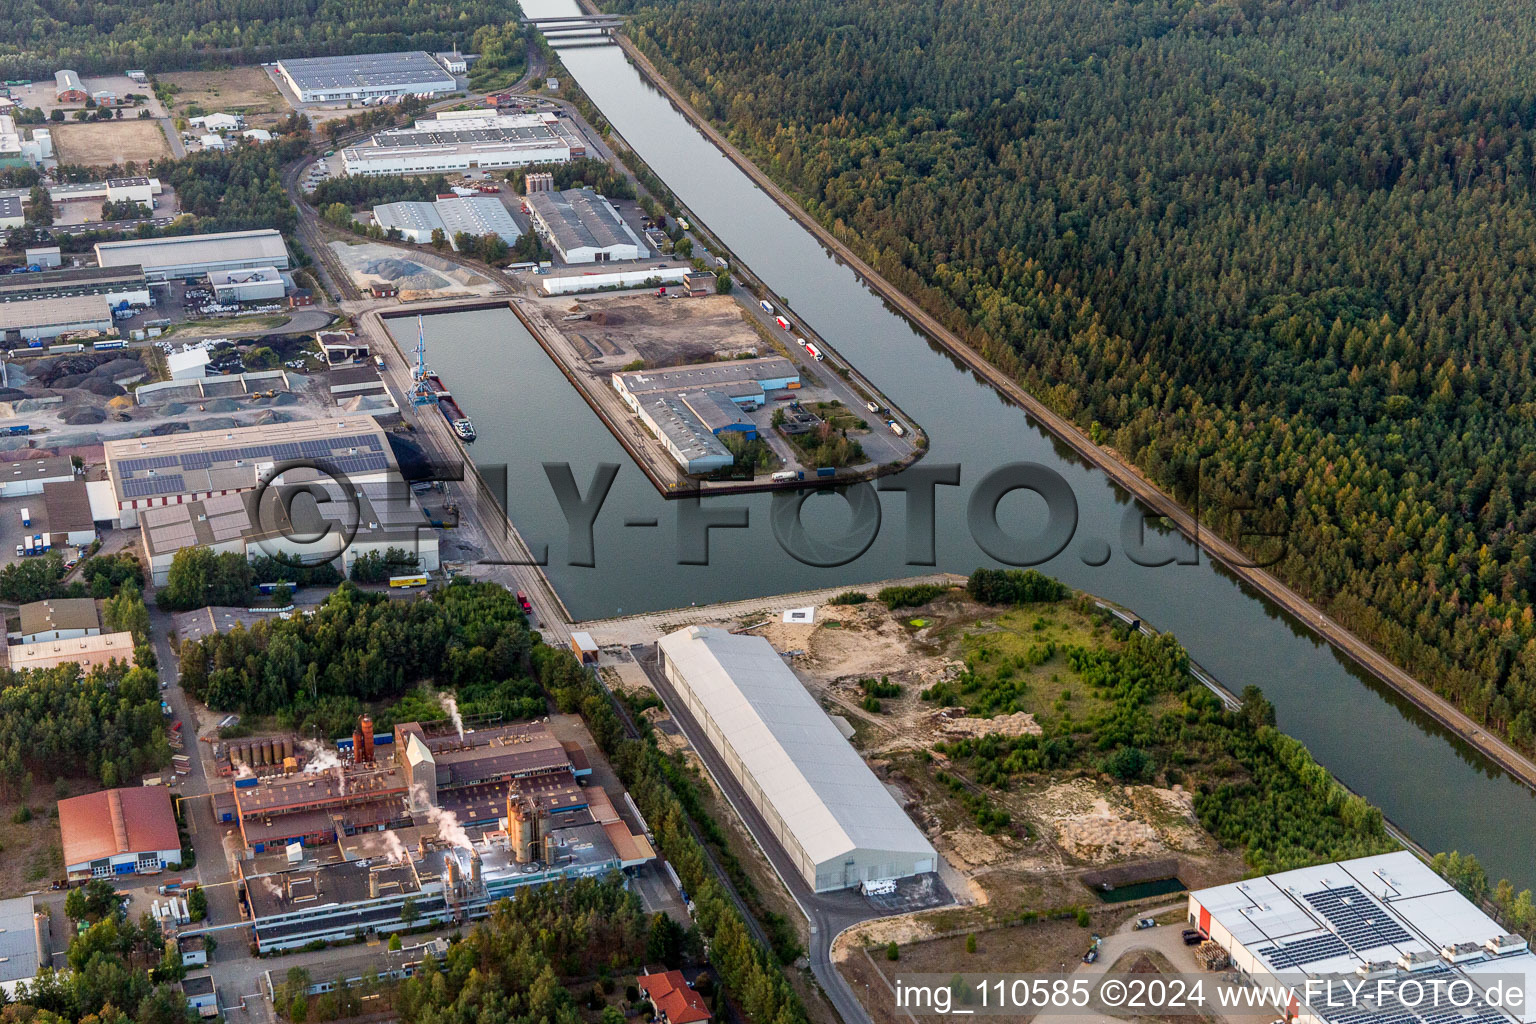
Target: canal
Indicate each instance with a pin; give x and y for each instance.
(1440, 791)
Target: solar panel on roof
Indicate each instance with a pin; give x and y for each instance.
(1356, 917)
(1303, 951)
(145, 486)
(196, 460)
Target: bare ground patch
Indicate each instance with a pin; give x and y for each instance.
(104, 143)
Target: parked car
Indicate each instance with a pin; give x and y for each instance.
(1145, 922)
(1090, 956)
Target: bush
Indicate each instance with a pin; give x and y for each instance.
(1014, 587)
(850, 597)
(911, 596)
(892, 951)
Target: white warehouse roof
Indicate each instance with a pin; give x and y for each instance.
(264, 244)
(1338, 917)
(817, 782)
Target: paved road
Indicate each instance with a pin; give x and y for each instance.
(829, 914)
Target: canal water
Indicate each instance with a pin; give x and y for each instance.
(1440, 791)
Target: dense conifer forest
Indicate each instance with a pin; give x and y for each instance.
(37, 37)
(1279, 249)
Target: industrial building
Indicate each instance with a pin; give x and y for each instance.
(59, 618)
(467, 140)
(48, 257)
(746, 382)
(471, 215)
(415, 221)
(173, 469)
(115, 284)
(30, 476)
(67, 513)
(46, 319)
(67, 87)
(1387, 917)
(690, 443)
(13, 213)
(239, 490)
(402, 828)
(259, 284)
(583, 227)
(23, 942)
(478, 216)
(119, 832)
(196, 255)
(834, 818)
(88, 652)
(334, 523)
(364, 76)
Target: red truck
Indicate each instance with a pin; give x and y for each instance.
(523, 602)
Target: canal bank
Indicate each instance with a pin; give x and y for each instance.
(1123, 473)
(1437, 787)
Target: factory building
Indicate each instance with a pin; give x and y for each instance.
(471, 215)
(364, 76)
(690, 443)
(13, 214)
(453, 822)
(718, 413)
(478, 216)
(338, 524)
(1388, 918)
(67, 513)
(114, 284)
(119, 832)
(30, 476)
(67, 87)
(59, 618)
(45, 319)
(23, 943)
(414, 220)
(745, 382)
(259, 284)
(196, 255)
(583, 227)
(88, 652)
(465, 141)
(838, 823)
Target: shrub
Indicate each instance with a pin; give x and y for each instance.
(913, 596)
(849, 596)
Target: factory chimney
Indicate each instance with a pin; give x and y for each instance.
(365, 726)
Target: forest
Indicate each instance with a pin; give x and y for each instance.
(54, 724)
(37, 37)
(1274, 252)
(362, 648)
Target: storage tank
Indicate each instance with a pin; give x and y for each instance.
(287, 747)
(259, 754)
(266, 748)
(235, 759)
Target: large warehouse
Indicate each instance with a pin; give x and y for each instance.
(1384, 917)
(365, 76)
(472, 215)
(584, 227)
(463, 141)
(835, 819)
(45, 319)
(115, 284)
(196, 255)
(119, 832)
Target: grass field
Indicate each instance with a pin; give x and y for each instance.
(104, 143)
(247, 91)
(29, 851)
